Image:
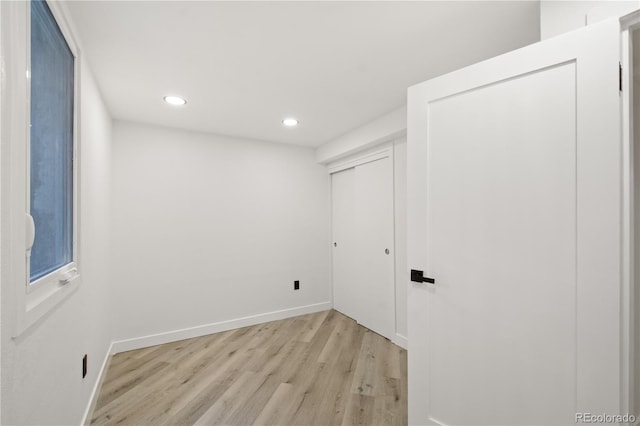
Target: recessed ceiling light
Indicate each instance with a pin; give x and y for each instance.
(174, 100)
(290, 122)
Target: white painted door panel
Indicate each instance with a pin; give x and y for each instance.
(514, 209)
(345, 293)
(363, 271)
(502, 214)
(374, 235)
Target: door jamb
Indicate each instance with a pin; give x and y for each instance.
(362, 158)
(630, 324)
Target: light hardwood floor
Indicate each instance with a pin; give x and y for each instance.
(316, 369)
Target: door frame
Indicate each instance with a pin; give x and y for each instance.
(630, 274)
(362, 158)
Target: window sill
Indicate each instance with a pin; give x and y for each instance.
(43, 300)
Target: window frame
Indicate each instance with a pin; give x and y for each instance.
(33, 300)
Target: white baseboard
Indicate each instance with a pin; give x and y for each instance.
(96, 387)
(401, 341)
(217, 327)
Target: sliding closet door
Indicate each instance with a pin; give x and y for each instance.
(345, 296)
(374, 246)
(363, 255)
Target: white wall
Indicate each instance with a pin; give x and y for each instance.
(41, 370)
(560, 16)
(210, 229)
(383, 129)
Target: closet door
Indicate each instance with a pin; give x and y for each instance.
(345, 296)
(374, 246)
(363, 257)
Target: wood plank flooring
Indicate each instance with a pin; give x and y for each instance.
(316, 369)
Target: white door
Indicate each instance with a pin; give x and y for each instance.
(375, 278)
(514, 210)
(363, 239)
(345, 294)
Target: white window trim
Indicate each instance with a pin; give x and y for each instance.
(31, 302)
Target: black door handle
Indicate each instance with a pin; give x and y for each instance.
(418, 277)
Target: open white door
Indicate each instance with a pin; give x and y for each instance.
(514, 209)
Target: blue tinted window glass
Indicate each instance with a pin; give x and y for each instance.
(52, 74)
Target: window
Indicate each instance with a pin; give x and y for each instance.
(51, 144)
(39, 173)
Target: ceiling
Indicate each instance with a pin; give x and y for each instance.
(244, 66)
